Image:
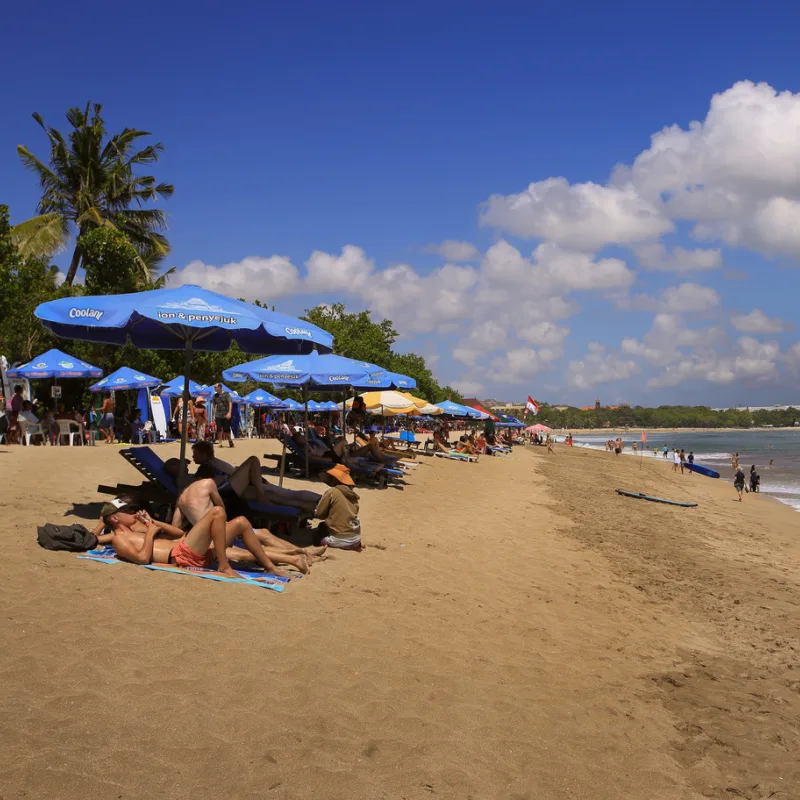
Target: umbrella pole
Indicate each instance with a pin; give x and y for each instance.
(305, 417)
(187, 361)
(283, 453)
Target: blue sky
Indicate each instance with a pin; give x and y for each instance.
(295, 129)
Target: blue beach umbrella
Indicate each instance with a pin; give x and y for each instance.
(313, 371)
(290, 405)
(261, 398)
(55, 364)
(124, 379)
(184, 318)
(456, 410)
(175, 388)
(174, 319)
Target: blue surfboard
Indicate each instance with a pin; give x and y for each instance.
(701, 470)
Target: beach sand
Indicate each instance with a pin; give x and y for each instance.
(514, 629)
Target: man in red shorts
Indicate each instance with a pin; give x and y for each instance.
(136, 539)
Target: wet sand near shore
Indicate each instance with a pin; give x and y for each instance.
(514, 629)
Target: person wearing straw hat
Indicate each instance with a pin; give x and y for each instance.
(338, 510)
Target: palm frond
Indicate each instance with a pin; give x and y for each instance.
(42, 236)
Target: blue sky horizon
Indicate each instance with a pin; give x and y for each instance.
(572, 203)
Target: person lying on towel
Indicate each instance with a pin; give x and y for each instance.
(141, 540)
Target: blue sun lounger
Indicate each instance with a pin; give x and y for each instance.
(317, 464)
(152, 467)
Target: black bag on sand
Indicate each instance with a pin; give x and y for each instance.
(73, 538)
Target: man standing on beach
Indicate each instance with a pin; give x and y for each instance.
(690, 459)
(666, 451)
(738, 482)
(223, 408)
(682, 457)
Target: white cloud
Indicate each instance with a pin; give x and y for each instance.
(451, 250)
(751, 362)
(345, 272)
(654, 256)
(683, 299)
(582, 216)
(599, 365)
(758, 322)
(660, 345)
(252, 278)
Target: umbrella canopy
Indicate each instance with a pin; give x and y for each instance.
(456, 410)
(316, 406)
(381, 378)
(428, 410)
(290, 405)
(317, 372)
(55, 364)
(387, 403)
(174, 388)
(507, 421)
(538, 427)
(260, 398)
(123, 379)
(166, 319)
(331, 406)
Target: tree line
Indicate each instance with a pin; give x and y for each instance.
(93, 196)
(662, 417)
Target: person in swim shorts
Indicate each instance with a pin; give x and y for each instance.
(738, 482)
(141, 540)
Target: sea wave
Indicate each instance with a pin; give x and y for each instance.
(771, 488)
(792, 503)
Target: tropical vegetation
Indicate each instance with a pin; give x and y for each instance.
(91, 180)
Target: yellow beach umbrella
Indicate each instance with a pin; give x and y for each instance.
(387, 403)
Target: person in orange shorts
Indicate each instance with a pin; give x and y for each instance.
(141, 540)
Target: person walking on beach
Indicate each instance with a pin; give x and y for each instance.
(549, 443)
(666, 451)
(676, 460)
(738, 482)
(682, 457)
(690, 459)
(106, 424)
(223, 409)
(735, 461)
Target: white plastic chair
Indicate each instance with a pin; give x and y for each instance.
(71, 429)
(29, 431)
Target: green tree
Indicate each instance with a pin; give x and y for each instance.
(356, 335)
(111, 262)
(24, 284)
(90, 181)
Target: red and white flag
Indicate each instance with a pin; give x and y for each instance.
(644, 438)
(532, 406)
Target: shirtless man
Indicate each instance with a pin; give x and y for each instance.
(135, 539)
(200, 496)
(248, 482)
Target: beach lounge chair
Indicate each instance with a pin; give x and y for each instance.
(152, 467)
(296, 460)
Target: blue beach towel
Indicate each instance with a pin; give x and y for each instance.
(254, 576)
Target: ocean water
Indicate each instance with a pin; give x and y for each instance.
(781, 478)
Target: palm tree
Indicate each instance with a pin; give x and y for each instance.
(90, 181)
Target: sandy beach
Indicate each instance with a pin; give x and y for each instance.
(514, 629)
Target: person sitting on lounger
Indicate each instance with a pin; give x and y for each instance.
(205, 546)
(465, 446)
(247, 481)
(440, 443)
(338, 510)
(200, 496)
